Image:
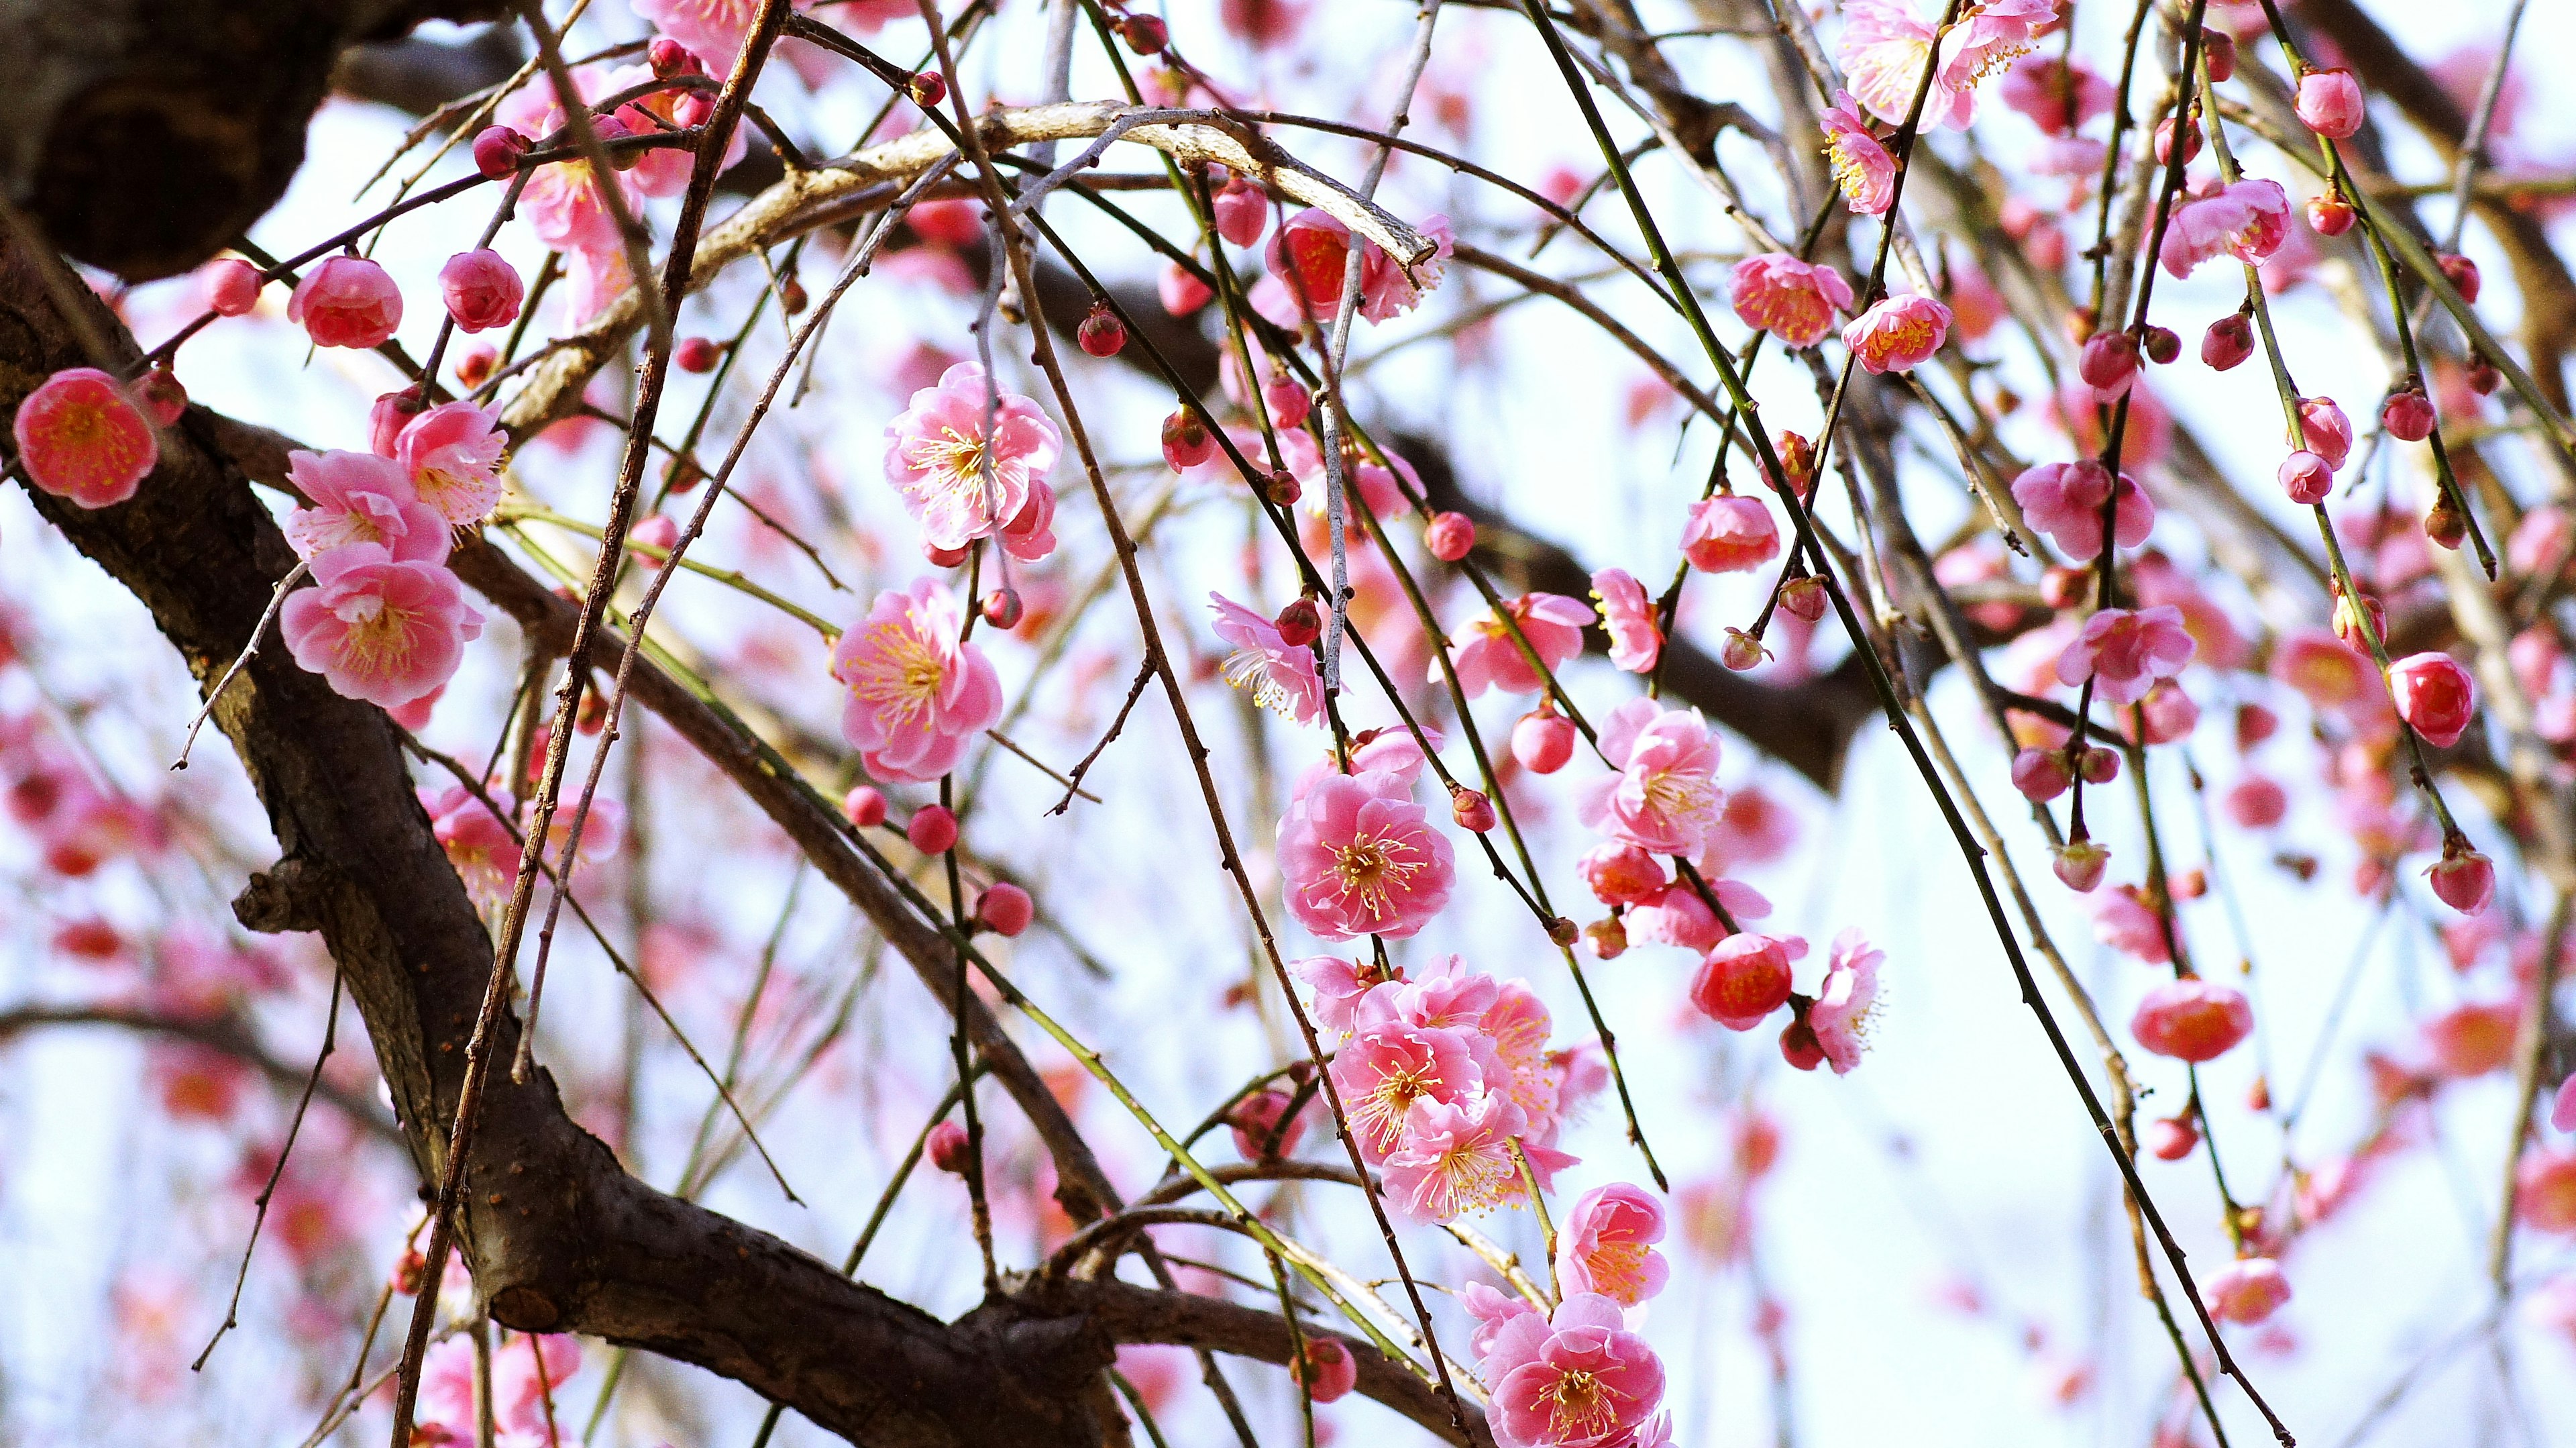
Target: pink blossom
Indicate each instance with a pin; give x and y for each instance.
(918, 693)
(1676, 915)
(2327, 430)
(1847, 1001)
(453, 453)
(2064, 501)
(2544, 539)
(937, 453)
(1620, 873)
(1385, 1069)
(2434, 695)
(1493, 1310)
(1793, 300)
(2330, 103)
(1517, 1025)
(481, 290)
(2124, 922)
(1606, 1245)
(1863, 170)
(81, 437)
(1361, 858)
(1311, 250)
(2246, 1291)
(1339, 985)
(2545, 1195)
(1280, 678)
(2192, 1019)
(477, 843)
(1327, 1367)
(2125, 651)
(1455, 1158)
(1487, 656)
(1030, 535)
(361, 498)
(2323, 668)
(1446, 996)
(2248, 219)
(713, 30)
(1263, 1130)
(1898, 334)
(379, 628)
(1744, 978)
(1990, 36)
(594, 277)
(1885, 49)
(346, 301)
(1665, 796)
(1730, 533)
(2562, 1108)
(2463, 878)
(564, 205)
(1577, 1379)
(2056, 96)
(2257, 803)
(231, 286)
(1636, 640)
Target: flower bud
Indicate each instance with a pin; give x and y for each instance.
(2330, 103)
(1742, 651)
(160, 395)
(1471, 809)
(2063, 587)
(1563, 932)
(1005, 909)
(948, 1148)
(669, 58)
(1002, 608)
(1300, 623)
(1805, 597)
(2229, 341)
(1799, 1046)
(1101, 333)
(1609, 938)
(943, 557)
(2080, 865)
(2484, 379)
(231, 286)
(864, 806)
(2098, 765)
(2462, 274)
(2108, 362)
(2165, 142)
(2464, 879)
(2162, 345)
(476, 364)
(2446, 525)
(2330, 215)
(2408, 415)
(1263, 1128)
(1282, 489)
(2041, 774)
(1186, 440)
(1450, 536)
(2171, 1138)
(497, 150)
(2254, 724)
(929, 88)
(1543, 741)
(933, 829)
(1147, 35)
(2306, 477)
(2220, 49)
(1242, 212)
(1288, 400)
(697, 354)
(2347, 622)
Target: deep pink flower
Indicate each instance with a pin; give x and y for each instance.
(377, 628)
(2331, 104)
(2328, 431)
(2562, 1108)
(346, 301)
(1665, 796)
(2328, 672)
(1606, 1245)
(1730, 533)
(1455, 1158)
(231, 286)
(2125, 651)
(1386, 1068)
(1577, 1379)
(81, 437)
(1486, 655)
(1898, 334)
(482, 291)
(1847, 1000)
(1863, 170)
(1743, 979)
(1620, 873)
(563, 204)
(2192, 1019)
(1793, 300)
(1636, 640)
(1242, 212)
(1263, 1131)
(2545, 1194)
(1361, 858)
(2249, 219)
(453, 454)
(1030, 534)
(361, 498)
(2057, 98)
(2257, 803)
(2463, 878)
(2064, 501)
(1278, 677)
(2246, 1291)
(937, 451)
(1311, 250)
(2433, 694)
(1328, 1368)
(918, 694)
(477, 843)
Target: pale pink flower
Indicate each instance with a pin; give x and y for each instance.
(1847, 1000)
(1863, 170)
(2433, 694)
(1676, 915)
(453, 454)
(1884, 50)
(1446, 996)
(563, 204)
(2562, 1107)
(377, 628)
(1487, 656)
(1729, 533)
(665, 172)
(1665, 796)
(361, 498)
(1382, 1071)
(481, 289)
(1791, 299)
(2331, 104)
(1636, 640)
(1030, 535)
(1493, 1310)
(918, 693)
(2248, 219)
(477, 843)
(1279, 677)
(1340, 986)
(1454, 1158)
(594, 277)
(937, 452)
(2064, 501)
(1607, 1245)
(2246, 1291)
(1990, 36)
(1361, 858)
(1577, 1379)
(346, 301)
(1898, 334)
(81, 437)
(2123, 922)
(525, 1373)
(2125, 651)
(2192, 1019)
(1516, 1025)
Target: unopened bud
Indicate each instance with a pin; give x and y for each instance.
(1144, 34)
(1471, 809)
(2063, 587)
(2162, 345)
(2229, 341)
(1742, 651)
(948, 1148)
(928, 89)
(670, 58)
(1563, 931)
(1101, 333)
(1608, 936)
(2446, 525)
(1804, 596)
(2484, 379)
(1450, 536)
(1282, 489)
(497, 150)
(1300, 623)
(1002, 608)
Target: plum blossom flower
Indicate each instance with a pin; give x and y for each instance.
(918, 692)
(1607, 1245)
(2434, 695)
(1456, 1158)
(2064, 501)
(1575, 1379)
(2124, 922)
(938, 453)
(1386, 1068)
(2330, 103)
(1744, 978)
(1793, 300)
(2192, 1019)
(1339, 985)
(481, 289)
(453, 454)
(1863, 170)
(1665, 796)
(2329, 673)
(1730, 533)
(563, 203)
(1884, 49)
(1898, 334)
(346, 301)
(477, 843)
(2249, 219)
(2125, 651)
(1847, 1001)
(379, 628)
(1361, 858)
(2246, 1291)
(2056, 96)
(361, 498)
(1280, 678)
(713, 30)
(1636, 640)
(81, 437)
(1486, 655)
(1310, 252)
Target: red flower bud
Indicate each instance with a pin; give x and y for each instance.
(933, 830)
(1005, 909)
(1101, 333)
(2229, 341)
(1450, 536)
(864, 806)
(2408, 415)
(2331, 215)
(1471, 809)
(1300, 623)
(2462, 272)
(697, 354)
(2162, 346)
(948, 1148)
(497, 150)
(1002, 608)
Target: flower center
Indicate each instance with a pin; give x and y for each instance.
(1373, 867)
(1679, 793)
(1579, 1405)
(904, 673)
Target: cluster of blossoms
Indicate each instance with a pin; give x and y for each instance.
(527, 1378)
(1579, 1374)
